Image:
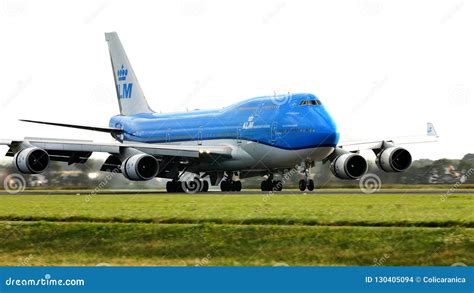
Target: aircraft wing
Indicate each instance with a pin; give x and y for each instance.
(354, 146)
(78, 151)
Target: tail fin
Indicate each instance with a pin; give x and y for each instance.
(129, 93)
(430, 130)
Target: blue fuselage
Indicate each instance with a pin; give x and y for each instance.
(291, 122)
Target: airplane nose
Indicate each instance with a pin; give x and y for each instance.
(328, 134)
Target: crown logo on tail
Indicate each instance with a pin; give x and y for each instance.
(122, 73)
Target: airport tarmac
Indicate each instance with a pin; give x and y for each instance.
(245, 192)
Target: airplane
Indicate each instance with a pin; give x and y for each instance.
(264, 136)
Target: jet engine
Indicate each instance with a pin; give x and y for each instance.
(349, 166)
(394, 159)
(140, 167)
(31, 160)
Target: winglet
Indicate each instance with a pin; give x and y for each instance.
(430, 130)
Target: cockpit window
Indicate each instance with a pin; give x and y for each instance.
(310, 103)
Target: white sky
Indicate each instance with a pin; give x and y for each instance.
(382, 68)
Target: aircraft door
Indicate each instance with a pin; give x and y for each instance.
(199, 140)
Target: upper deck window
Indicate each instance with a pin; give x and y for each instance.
(310, 103)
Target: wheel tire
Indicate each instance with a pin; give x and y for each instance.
(170, 186)
(179, 186)
(268, 185)
(302, 185)
(205, 186)
(277, 185)
(237, 186)
(310, 185)
(224, 185)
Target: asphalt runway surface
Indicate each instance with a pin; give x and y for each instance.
(255, 192)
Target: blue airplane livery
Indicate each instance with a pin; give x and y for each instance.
(265, 136)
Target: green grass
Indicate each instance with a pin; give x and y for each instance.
(234, 229)
(209, 244)
(354, 210)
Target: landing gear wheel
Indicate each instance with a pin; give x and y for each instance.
(237, 186)
(179, 186)
(302, 184)
(205, 186)
(266, 185)
(310, 185)
(277, 185)
(171, 186)
(225, 185)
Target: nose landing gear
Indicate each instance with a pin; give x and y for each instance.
(306, 184)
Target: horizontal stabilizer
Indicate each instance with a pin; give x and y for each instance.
(113, 131)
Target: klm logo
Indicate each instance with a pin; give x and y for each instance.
(122, 73)
(124, 90)
(249, 123)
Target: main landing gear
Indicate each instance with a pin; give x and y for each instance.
(190, 186)
(231, 185)
(306, 183)
(271, 185)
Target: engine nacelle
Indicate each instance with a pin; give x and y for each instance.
(140, 167)
(31, 160)
(349, 166)
(394, 159)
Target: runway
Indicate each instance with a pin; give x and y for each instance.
(245, 192)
